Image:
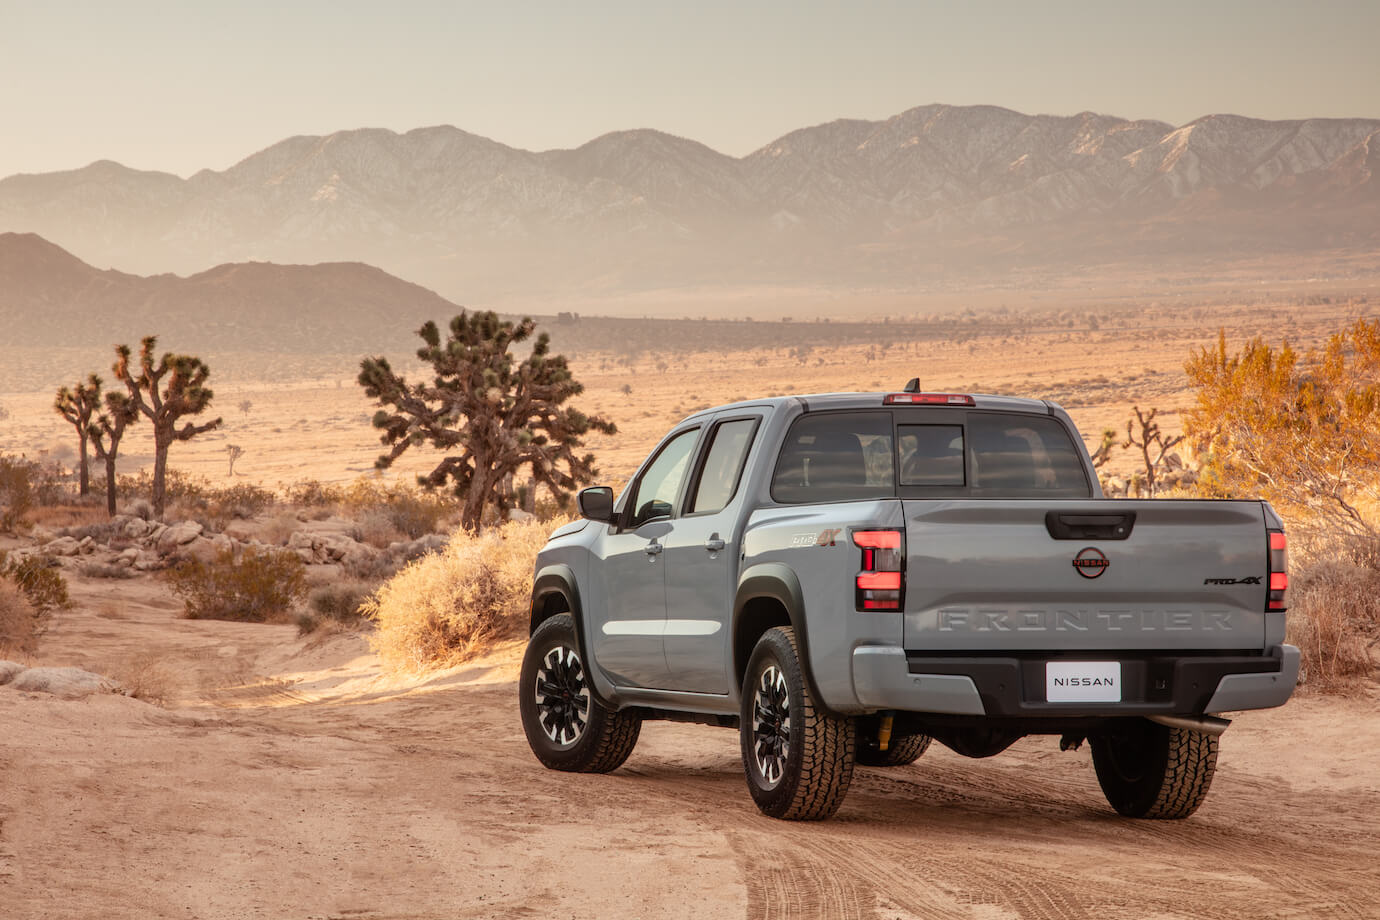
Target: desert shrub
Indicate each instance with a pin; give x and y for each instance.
(257, 585)
(376, 529)
(42, 584)
(412, 511)
(312, 493)
(181, 486)
(1334, 610)
(18, 621)
(18, 491)
(242, 500)
(340, 600)
(146, 676)
(102, 531)
(446, 606)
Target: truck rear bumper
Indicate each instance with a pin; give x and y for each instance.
(890, 678)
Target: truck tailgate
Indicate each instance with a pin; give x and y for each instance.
(988, 575)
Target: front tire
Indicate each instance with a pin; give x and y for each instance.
(566, 727)
(798, 758)
(1148, 770)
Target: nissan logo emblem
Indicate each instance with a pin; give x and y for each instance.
(1090, 562)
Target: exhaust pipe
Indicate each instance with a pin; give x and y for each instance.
(1208, 725)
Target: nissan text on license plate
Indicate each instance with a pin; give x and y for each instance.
(1083, 681)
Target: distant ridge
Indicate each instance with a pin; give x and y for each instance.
(932, 191)
(48, 297)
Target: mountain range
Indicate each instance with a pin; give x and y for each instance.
(50, 298)
(931, 192)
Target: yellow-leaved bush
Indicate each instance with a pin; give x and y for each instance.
(447, 606)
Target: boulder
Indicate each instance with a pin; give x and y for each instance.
(87, 546)
(135, 528)
(9, 670)
(128, 556)
(67, 683)
(179, 534)
(63, 546)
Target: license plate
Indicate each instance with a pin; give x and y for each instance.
(1083, 681)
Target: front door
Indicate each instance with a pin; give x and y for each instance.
(628, 616)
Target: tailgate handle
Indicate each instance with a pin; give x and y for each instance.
(1075, 525)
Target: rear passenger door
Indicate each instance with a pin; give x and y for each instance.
(702, 558)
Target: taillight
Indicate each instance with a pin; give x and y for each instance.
(881, 583)
(1279, 570)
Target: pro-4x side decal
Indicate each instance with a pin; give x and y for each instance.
(1251, 580)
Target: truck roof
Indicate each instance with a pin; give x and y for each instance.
(819, 401)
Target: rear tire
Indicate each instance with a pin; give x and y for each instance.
(1148, 770)
(903, 749)
(798, 758)
(566, 727)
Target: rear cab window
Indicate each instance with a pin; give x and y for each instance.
(927, 453)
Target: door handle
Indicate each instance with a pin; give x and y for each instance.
(652, 549)
(714, 544)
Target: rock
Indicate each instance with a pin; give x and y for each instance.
(517, 514)
(147, 562)
(178, 534)
(200, 549)
(87, 546)
(299, 539)
(9, 670)
(128, 557)
(1174, 461)
(135, 528)
(63, 546)
(67, 683)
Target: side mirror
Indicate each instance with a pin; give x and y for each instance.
(596, 503)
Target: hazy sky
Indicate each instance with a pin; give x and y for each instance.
(186, 85)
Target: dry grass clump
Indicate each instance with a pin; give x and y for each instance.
(18, 622)
(148, 676)
(449, 605)
(1334, 611)
(257, 585)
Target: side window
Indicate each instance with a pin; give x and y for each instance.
(723, 465)
(836, 456)
(660, 483)
(1022, 455)
(931, 455)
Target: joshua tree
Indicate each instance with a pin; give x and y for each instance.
(1151, 439)
(77, 405)
(1104, 449)
(183, 393)
(105, 433)
(501, 415)
(235, 452)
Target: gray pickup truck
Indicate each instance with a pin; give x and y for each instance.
(846, 577)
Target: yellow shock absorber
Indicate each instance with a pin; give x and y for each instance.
(884, 733)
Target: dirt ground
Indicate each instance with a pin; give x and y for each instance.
(289, 778)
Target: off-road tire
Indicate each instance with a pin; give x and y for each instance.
(1148, 770)
(815, 765)
(903, 749)
(606, 738)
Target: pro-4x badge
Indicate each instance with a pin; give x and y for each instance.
(1090, 562)
(823, 538)
(1249, 580)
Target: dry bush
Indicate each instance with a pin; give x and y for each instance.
(341, 600)
(18, 622)
(413, 512)
(1334, 610)
(148, 676)
(377, 530)
(105, 570)
(42, 584)
(311, 493)
(258, 585)
(446, 606)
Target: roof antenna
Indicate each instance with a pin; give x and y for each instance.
(913, 385)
